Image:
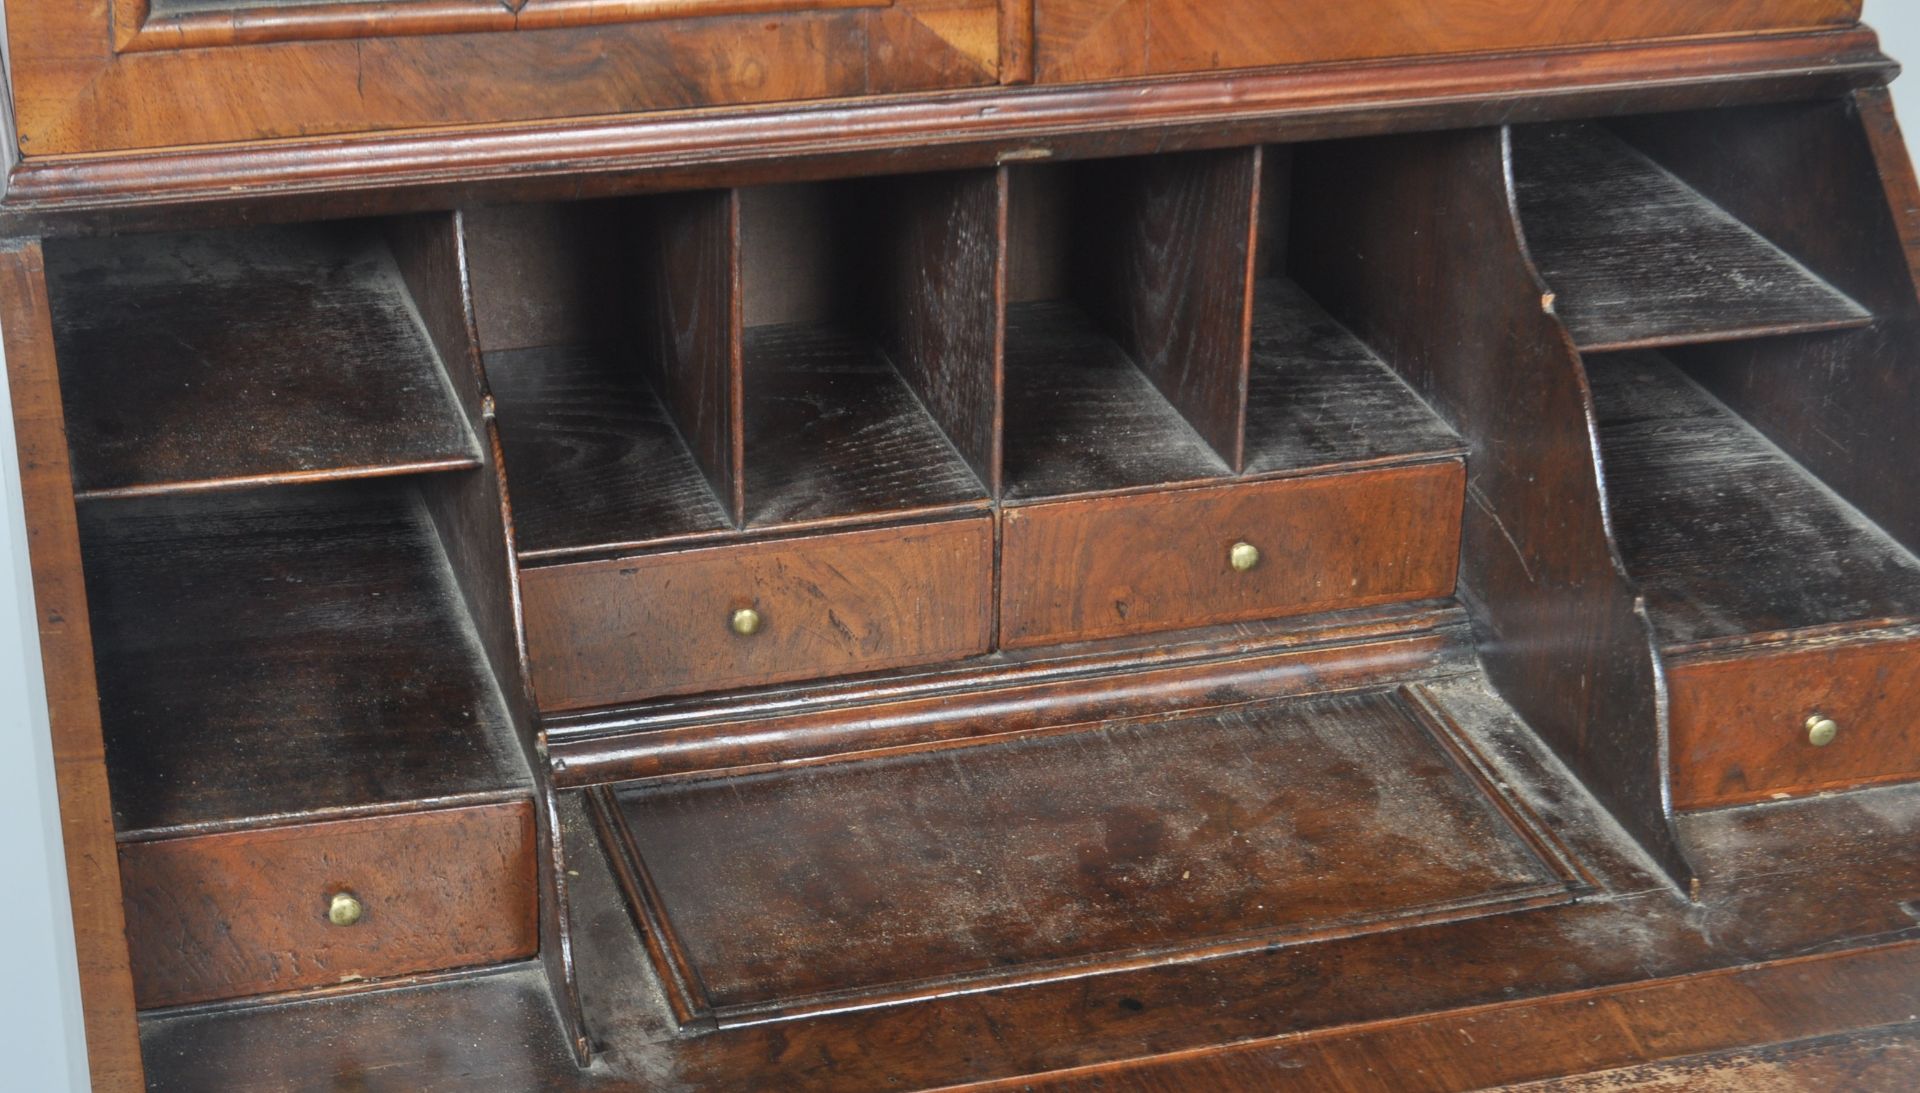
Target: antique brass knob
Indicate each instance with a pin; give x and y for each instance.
(1243, 556)
(344, 910)
(746, 622)
(1821, 730)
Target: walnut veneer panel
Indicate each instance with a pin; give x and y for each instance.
(242, 913)
(1102, 567)
(844, 884)
(1102, 39)
(87, 79)
(631, 628)
(1740, 729)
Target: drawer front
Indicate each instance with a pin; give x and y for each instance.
(1075, 570)
(663, 624)
(251, 912)
(1104, 39)
(97, 76)
(1740, 725)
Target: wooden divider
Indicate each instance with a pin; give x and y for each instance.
(1413, 242)
(474, 518)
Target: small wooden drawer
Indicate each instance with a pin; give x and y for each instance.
(671, 623)
(1741, 727)
(1075, 570)
(243, 913)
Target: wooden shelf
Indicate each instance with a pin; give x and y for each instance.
(594, 460)
(228, 359)
(1318, 398)
(1728, 538)
(1082, 418)
(267, 654)
(833, 433)
(1638, 259)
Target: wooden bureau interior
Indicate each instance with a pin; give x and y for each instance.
(1065, 602)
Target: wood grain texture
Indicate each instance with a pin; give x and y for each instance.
(1414, 244)
(832, 605)
(1612, 980)
(1841, 405)
(1082, 418)
(833, 432)
(937, 278)
(1740, 722)
(146, 99)
(1163, 255)
(1076, 570)
(689, 329)
(64, 629)
(304, 178)
(1638, 259)
(193, 24)
(305, 337)
(1319, 398)
(287, 652)
(593, 457)
(1106, 39)
(849, 884)
(244, 913)
(1727, 537)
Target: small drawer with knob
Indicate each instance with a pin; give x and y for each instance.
(756, 613)
(1753, 724)
(234, 914)
(1134, 564)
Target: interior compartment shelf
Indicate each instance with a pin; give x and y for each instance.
(233, 358)
(1638, 259)
(263, 654)
(1082, 418)
(593, 456)
(1319, 399)
(834, 432)
(1727, 536)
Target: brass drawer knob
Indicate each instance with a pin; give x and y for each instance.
(1821, 730)
(1243, 557)
(345, 909)
(746, 622)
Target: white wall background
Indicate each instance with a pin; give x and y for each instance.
(40, 1037)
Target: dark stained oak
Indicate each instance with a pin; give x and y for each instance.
(1638, 259)
(243, 913)
(1082, 418)
(1075, 570)
(1728, 538)
(305, 337)
(1319, 399)
(833, 431)
(267, 654)
(623, 629)
(844, 885)
(592, 455)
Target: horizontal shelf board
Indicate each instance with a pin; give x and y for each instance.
(266, 654)
(1081, 417)
(594, 461)
(1638, 259)
(1318, 397)
(1727, 536)
(834, 432)
(848, 884)
(273, 354)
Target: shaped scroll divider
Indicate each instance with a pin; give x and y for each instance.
(1413, 243)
